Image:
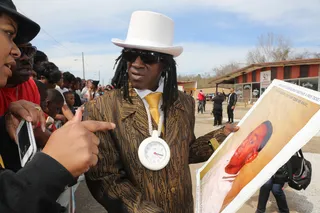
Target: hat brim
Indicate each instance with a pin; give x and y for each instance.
(27, 29)
(173, 50)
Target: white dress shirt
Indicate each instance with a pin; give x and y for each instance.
(143, 93)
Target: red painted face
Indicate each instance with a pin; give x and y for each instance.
(248, 150)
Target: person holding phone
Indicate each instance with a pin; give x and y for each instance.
(70, 151)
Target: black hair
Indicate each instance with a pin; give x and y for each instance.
(42, 89)
(50, 71)
(268, 135)
(43, 93)
(68, 93)
(55, 96)
(68, 77)
(77, 79)
(95, 83)
(169, 73)
(40, 57)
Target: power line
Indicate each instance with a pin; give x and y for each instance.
(55, 40)
(48, 34)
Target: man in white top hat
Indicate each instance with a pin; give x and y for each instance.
(144, 163)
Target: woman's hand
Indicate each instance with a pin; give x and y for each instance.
(23, 110)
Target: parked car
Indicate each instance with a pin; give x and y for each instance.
(209, 96)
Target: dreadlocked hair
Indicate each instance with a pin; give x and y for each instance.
(170, 90)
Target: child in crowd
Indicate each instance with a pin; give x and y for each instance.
(69, 96)
(53, 105)
(42, 88)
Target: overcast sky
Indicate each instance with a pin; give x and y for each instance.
(212, 32)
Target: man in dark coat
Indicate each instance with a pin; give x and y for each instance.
(217, 108)
(232, 101)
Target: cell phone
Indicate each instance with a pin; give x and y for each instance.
(49, 121)
(26, 143)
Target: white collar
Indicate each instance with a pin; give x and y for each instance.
(143, 93)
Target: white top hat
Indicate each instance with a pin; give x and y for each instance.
(150, 31)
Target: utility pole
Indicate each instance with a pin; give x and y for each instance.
(83, 74)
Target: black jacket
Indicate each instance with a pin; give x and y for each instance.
(232, 99)
(34, 188)
(217, 102)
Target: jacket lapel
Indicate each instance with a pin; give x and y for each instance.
(137, 113)
(172, 123)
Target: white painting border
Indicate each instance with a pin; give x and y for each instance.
(298, 141)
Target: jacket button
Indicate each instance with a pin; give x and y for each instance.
(173, 190)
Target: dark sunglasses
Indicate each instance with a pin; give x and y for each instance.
(148, 57)
(29, 51)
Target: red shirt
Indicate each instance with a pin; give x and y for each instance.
(26, 91)
(201, 96)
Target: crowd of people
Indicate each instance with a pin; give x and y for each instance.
(217, 109)
(28, 81)
(37, 80)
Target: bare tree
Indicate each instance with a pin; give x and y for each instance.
(225, 69)
(203, 80)
(270, 48)
(304, 55)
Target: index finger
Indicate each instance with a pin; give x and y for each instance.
(77, 117)
(35, 112)
(95, 126)
(19, 111)
(42, 121)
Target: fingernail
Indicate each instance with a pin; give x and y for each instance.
(113, 125)
(29, 119)
(43, 128)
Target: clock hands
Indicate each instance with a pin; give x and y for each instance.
(158, 154)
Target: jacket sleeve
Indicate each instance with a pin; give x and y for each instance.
(108, 181)
(35, 188)
(225, 95)
(200, 149)
(215, 98)
(235, 99)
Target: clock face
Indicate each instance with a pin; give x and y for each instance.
(155, 152)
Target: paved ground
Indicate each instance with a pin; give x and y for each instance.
(299, 202)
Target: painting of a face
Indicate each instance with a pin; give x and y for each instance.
(250, 147)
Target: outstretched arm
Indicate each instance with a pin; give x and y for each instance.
(200, 149)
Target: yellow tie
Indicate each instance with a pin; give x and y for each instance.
(153, 100)
(1, 162)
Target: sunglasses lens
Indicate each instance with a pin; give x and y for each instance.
(146, 56)
(130, 56)
(149, 58)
